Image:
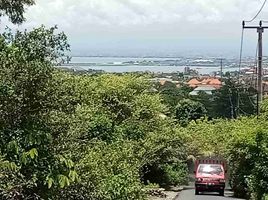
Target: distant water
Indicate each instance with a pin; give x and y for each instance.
(114, 64)
(115, 59)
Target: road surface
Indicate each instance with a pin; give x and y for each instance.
(190, 195)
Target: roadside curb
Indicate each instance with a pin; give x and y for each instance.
(177, 196)
(181, 189)
(188, 187)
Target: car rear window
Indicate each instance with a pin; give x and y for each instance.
(210, 169)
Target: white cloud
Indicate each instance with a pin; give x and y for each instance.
(102, 19)
(139, 12)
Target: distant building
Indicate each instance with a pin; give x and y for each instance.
(78, 69)
(216, 83)
(72, 68)
(187, 70)
(265, 89)
(193, 83)
(211, 82)
(207, 89)
(163, 81)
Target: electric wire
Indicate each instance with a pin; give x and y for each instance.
(244, 112)
(256, 65)
(240, 54)
(239, 100)
(254, 81)
(231, 103)
(258, 12)
(239, 68)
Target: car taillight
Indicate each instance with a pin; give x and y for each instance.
(222, 180)
(198, 179)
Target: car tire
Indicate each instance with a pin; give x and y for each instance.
(196, 192)
(221, 192)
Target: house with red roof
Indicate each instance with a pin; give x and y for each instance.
(206, 82)
(193, 83)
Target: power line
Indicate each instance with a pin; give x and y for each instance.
(254, 81)
(260, 30)
(239, 69)
(231, 103)
(245, 113)
(240, 54)
(258, 12)
(256, 67)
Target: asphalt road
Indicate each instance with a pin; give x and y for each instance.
(190, 195)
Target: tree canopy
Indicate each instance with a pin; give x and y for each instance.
(14, 9)
(106, 137)
(26, 140)
(188, 110)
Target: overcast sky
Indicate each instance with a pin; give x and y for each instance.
(150, 27)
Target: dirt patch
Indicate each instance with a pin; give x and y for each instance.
(170, 195)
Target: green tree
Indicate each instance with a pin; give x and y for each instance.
(117, 117)
(172, 94)
(226, 101)
(264, 107)
(209, 103)
(14, 9)
(188, 110)
(243, 142)
(26, 140)
(248, 161)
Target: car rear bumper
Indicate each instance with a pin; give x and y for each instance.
(209, 187)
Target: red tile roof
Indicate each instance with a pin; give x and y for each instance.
(214, 82)
(193, 81)
(163, 82)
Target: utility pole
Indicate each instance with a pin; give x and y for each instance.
(231, 104)
(221, 69)
(260, 85)
(260, 30)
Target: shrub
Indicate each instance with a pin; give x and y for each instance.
(188, 110)
(249, 160)
(114, 133)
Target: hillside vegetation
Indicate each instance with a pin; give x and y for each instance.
(66, 136)
(108, 137)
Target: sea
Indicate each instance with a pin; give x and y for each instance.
(130, 64)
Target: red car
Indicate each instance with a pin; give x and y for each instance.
(210, 176)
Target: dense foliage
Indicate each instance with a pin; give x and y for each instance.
(223, 103)
(243, 142)
(14, 9)
(172, 94)
(106, 137)
(26, 140)
(117, 137)
(249, 163)
(188, 110)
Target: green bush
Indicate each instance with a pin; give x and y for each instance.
(243, 142)
(249, 164)
(188, 110)
(107, 171)
(176, 174)
(27, 142)
(114, 133)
